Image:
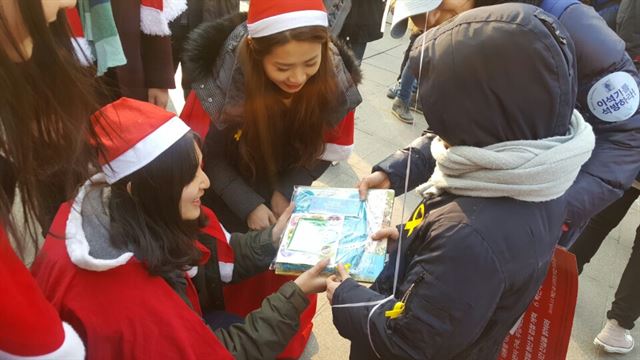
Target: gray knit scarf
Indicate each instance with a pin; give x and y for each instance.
(527, 170)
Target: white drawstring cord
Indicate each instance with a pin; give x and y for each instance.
(368, 303)
(376, 304)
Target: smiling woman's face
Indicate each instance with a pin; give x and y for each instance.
(192, 192)
(289, 66)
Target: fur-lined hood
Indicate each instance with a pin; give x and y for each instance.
(205, 42)
(211, 66)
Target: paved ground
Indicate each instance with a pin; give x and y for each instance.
(378, 134)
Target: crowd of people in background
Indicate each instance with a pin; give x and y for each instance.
(129, 231)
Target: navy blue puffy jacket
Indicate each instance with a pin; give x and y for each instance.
(615, 161)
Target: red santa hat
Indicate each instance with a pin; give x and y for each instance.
(133, 133)
(155, 15)
(267, 17)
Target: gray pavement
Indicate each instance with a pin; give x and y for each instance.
(379, 133)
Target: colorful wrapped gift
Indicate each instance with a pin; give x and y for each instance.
(334, 223)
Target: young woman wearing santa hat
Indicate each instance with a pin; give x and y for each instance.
(280, 97)
(45, 104)
(134, 260)
(273, 97)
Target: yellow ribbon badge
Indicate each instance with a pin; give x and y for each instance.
(416, 219)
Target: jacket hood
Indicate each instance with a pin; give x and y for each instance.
(88, 231)
(205, 43)
(495, 74)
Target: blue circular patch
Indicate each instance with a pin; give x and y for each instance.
(614, 98)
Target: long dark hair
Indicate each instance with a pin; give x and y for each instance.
(273, 135)
(147, 219)
(45, 104)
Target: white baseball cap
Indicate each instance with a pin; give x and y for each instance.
(406, 8)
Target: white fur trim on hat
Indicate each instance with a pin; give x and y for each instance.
(146, 150)
(76, 241)
(287, 21)
(156, 22)
(335, 152)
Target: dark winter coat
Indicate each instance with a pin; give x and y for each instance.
(472, 279)
(608, 9)
(198, 11)
(363, 22)
(470, 266)
(615, 161)
(149, 62)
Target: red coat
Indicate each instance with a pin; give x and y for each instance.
(119, 309)
(29, 325)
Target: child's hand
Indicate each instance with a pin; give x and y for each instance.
(312, 281)
(334, 281)
(276, 232)
(376, 180)
(389, 233)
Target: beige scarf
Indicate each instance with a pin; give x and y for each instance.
(527, 170)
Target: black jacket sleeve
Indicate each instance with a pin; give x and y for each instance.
(225, 179)
(615, 160)
(457, 283)
(267, 331)
(157, 62)
(422, 164)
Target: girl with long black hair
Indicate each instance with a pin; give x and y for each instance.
(135, 261)
(45, 103)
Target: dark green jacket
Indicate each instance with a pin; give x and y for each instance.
(265, 332)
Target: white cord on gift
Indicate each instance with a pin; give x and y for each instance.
(378, 303)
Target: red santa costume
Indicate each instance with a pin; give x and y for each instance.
(117, 307)
(30, 327)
